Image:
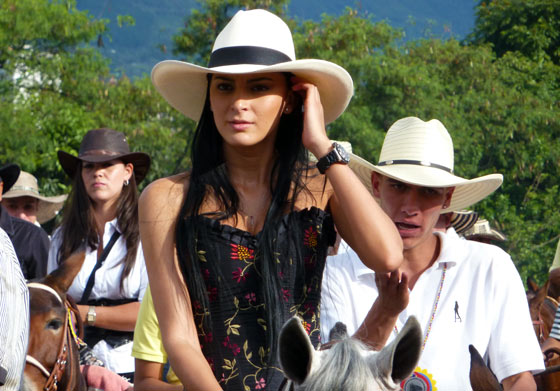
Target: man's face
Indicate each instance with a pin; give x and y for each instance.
(415, 210)
(24, 208)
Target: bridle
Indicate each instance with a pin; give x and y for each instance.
(539, 322)
(65, 353)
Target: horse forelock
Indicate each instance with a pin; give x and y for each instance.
(343, 367)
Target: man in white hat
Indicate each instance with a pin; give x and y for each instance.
(462, 292)
(30, 242)
(24, 201)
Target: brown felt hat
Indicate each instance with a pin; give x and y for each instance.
(9, 174)
(103, 145)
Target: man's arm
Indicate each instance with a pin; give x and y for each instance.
(523, 381)
(382, 317)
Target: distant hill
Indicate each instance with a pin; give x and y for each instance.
(134, 50)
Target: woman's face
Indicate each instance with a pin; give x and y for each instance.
(104, 181)
(247, 108)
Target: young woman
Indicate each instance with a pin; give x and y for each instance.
(237, 245)
(102, 220)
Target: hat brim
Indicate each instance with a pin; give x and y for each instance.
(463, 220)
(9, 174)
(140, 160)
(48, 206)
(184, 85)
(492, 235)
(467, 191)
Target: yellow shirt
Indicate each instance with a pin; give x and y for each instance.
(147, 344)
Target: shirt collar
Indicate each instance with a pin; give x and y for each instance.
(450, 251)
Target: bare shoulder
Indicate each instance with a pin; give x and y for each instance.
(162, 199)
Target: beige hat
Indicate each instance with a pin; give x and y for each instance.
(253, 41)
(421, 153)
(482, 229)
(27, 186)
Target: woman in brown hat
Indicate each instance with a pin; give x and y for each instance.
(101, 218)
(249, 226)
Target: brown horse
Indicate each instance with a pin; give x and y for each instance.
(52, 357)
(542, 307)
(543, 303)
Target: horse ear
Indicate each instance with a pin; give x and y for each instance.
(398, 359)
(295, 351)
(62, 278)
(481, 377)
(532, 285)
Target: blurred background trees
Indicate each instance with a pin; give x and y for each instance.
(497, 92)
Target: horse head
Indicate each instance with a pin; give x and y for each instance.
(542, 308)
(348, 364)
(52, 355)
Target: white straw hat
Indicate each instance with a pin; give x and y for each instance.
(27, 186)
(421, 153)
(254, 41)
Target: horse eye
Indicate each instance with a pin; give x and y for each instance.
(54, 324)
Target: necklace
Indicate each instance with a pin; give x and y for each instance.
(434, 309)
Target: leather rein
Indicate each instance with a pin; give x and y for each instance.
(65, 352)
(540, 322)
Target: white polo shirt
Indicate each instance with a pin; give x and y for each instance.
(481, 281)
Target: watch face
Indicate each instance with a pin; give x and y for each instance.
(342, 152)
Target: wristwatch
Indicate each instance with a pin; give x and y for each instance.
(337, 155)
(91, 315)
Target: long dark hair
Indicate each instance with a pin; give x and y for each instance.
(78, 227)
(209, 178)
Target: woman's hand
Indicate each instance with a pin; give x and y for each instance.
(314, 136)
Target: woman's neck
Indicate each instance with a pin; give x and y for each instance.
(103, 213)
(249, 167)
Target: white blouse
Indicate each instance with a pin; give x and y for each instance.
(107, 286)
(107, 277)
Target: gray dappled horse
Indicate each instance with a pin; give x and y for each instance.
(348, 365)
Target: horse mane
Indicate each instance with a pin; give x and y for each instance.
(342, 367)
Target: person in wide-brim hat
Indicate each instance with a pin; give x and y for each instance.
(8, 175)
(103, 145)
(27, 186)
(421, 153)
(241, 48)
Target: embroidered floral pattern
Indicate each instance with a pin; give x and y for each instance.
(236, 342)
(241, 253)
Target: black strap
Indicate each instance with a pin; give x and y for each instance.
(100, 260)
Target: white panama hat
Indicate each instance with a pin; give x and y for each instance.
(254, 41)
(421, 153)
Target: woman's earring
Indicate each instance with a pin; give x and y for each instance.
(126, 182)
(287, 110)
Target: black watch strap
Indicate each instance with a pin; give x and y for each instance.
(337, 155)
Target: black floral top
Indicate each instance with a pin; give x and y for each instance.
(235, 345)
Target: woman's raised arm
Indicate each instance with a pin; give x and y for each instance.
(358, 218)
(159, 208)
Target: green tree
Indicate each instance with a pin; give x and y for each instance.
(55, 86)
(531, 27)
